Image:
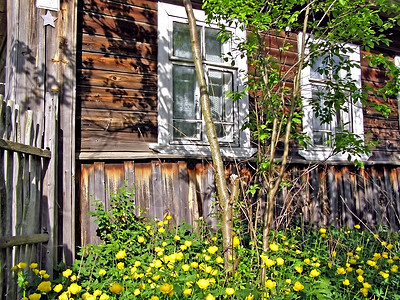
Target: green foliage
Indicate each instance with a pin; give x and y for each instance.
(120, 221)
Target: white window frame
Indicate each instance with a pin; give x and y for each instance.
(319, 153)
(397, 64)
(165, 144)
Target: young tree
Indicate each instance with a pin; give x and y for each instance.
(225, 199)
(326, 27)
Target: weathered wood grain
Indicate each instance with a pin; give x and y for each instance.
(117, 47)
(140, 12)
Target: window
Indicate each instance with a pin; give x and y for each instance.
(329, 69)
(181, 128)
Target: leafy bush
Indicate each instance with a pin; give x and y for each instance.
(154, 260)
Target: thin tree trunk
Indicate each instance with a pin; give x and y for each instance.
(220, 180)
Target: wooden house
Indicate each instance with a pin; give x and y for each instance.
(124, 100)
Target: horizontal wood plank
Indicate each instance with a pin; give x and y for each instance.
(117, 46)
(22, 148)
(11, 241)
(111, 27)
(117, 121)
(116, 141)
(140, 12)
(117, 63)
(117, 81)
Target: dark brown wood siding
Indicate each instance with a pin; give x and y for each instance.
(117, 75)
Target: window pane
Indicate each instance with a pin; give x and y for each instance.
(181, 40)
(186, 130)
(219, 84)
(184, 88)
(185, 104)
(321, 132)
(213, 45)
(319, 65)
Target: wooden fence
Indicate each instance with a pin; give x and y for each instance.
(25, 213)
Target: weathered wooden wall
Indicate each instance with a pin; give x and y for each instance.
(182, 189)
(318, 196)
(117, 75)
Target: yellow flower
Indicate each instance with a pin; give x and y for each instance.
(58, 288)
(273, 247)
(212, 249)
(67, 273)
(63, 296)
(97, 293)
(346, 282)
(194, 264)
(268, 262)
(299, 269)
(384, 274)
(366, 285)
(116, 288)
(307, 260)
(207, 257)
(136, 292)
(358, 249)
(203, 283)
(364, 291)
(383, 243)
(359, 271)
(394, 268)
(371, 263)
(104, 297)
(341, 271)
(187, 292)
(322, 230)
(333, 253)
(74, 288)
(72, 278)
(357, 226)
(22, 265)
(120, 265)
(166, 288)
(188, 243)
(34, 296)
(33, 265)
(140, 239)
(314, 273)
(270, 284)
(44, 286)
(298, 286)
(102, 272)
(229, 291)
(121, 254)
(168, 217)
(235, 241)
(161, 230)
(250, 297)
(154, 298)
(360, 278)
(177, 238)
(390, 246)
(185, 267)
(280, 261)
(210, 297)
(219, 260)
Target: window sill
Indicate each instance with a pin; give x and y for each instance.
(325, 154)
(197, 151)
